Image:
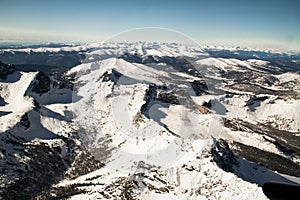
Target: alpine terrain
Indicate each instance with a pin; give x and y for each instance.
(147, 120)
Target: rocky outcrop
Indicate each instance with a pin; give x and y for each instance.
(40, 84)
(5, 70)
(24, 121)
(254, 101)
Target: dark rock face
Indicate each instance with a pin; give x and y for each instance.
(2, 102)
(61, 84)
(199, 87)
(37, 106)
(223, 156)
(106, 77)
(115, 75)
(117, 78)
(162, 94)
(5, 70)
(24, 121)
(3, 113)
(255, 101)
(41, 84)
(168, 97)
(149, 97)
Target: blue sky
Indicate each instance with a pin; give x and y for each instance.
(229, 22)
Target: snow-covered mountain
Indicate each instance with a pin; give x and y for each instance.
(147, 121)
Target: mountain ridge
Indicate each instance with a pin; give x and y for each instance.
(123, 106)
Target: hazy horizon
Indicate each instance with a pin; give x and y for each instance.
(269, 24)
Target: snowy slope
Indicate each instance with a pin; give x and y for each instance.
(149, 121)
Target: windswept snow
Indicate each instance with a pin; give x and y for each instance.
(13, 93)
(150, 121)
